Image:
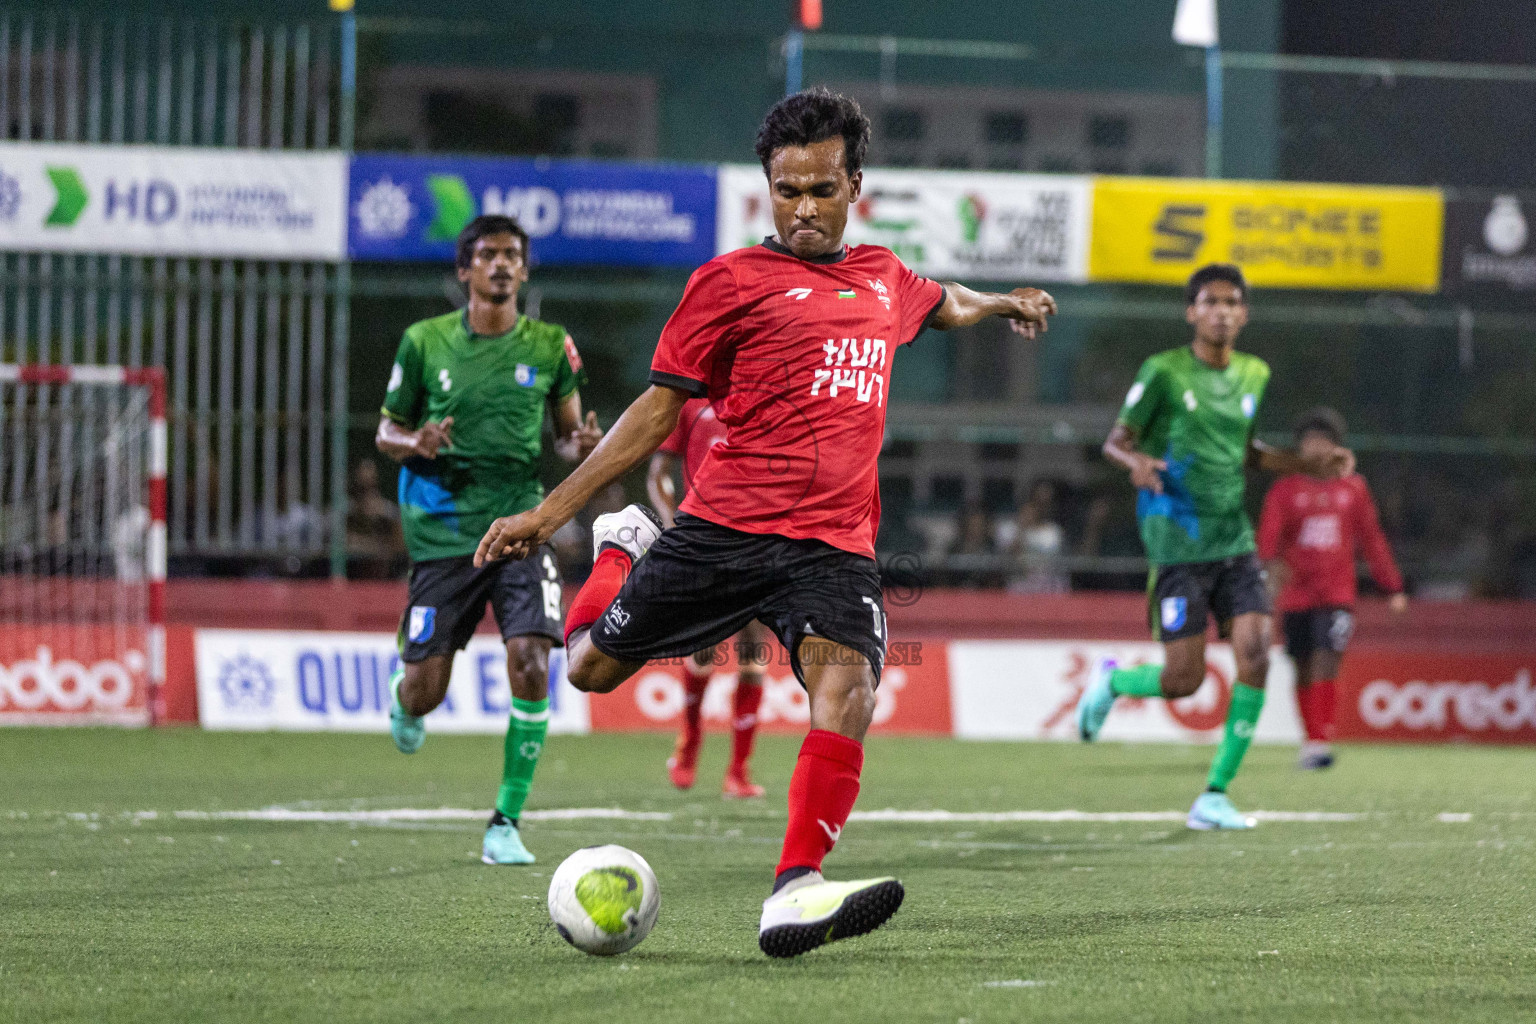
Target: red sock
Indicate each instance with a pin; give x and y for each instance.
(1316, 703)
(608, 575)
(821, 796)
(695, 682)
(744, 722)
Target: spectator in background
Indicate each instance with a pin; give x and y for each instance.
(970, 555)
(1033, 542)
(375, 544)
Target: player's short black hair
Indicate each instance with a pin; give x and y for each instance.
(815, 115)
(1229, 272)
(486, 224)
(1321, 420)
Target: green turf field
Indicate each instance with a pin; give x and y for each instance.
(107, 914)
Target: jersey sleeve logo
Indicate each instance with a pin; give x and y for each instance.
(571, 355)
(396, 378)
(1134, 395)
(443, 379)
(1189, 399)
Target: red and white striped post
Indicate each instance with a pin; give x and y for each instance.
(152, 378)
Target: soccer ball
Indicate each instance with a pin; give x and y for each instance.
(604, 899)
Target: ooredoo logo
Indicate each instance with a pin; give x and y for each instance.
(1455, 706)
(43, 683)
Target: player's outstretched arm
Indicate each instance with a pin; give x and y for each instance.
(1336, 462)
(1024, 308)
(638, 433)
(395, 441)
(1120, 448)
(575, 438)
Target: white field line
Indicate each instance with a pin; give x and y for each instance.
(888, 815)
(1108, 817)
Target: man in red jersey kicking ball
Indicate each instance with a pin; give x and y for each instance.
(1309, 534)
(791, 341)
(699, 430)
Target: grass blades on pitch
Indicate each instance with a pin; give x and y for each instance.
(1398, 916)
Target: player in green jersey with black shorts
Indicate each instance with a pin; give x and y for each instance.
(464, 415)
(1186, 435)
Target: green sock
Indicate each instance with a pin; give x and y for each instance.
(525, 741)
(1141, 681)
(1242, 716)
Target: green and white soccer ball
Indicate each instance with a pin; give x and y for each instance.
(604, 899)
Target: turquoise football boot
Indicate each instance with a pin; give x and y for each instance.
(1215, 811)
(409, 731)
(503, 843)
(1098, 697)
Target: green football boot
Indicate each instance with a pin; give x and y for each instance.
(503, 843)
(409, 731)
(1215, 811)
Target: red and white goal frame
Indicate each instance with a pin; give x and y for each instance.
(65, 685)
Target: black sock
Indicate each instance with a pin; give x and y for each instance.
(497, 818)
(1214, 789)
(789, 875)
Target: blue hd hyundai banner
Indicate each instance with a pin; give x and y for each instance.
(412, 207)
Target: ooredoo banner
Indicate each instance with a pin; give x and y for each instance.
(970, 224)
(913, 697)
(172, 201)
(70, 674)
(1159, 230)
(276, 679)
(1437, 698)
(1028, 690)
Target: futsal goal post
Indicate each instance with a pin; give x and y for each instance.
(82, 544)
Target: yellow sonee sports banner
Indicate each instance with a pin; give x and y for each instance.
(1159, 230)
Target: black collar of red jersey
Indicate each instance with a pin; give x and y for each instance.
(779, 247)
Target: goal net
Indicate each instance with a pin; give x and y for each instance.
(82, 544)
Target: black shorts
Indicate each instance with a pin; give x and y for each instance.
(448, 595)
(1317, 629)
(1180, 597)
(701, 583)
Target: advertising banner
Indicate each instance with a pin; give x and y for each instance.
(1027, 690)
(575, 212)
(172, 201)
(913, 696)
(1437, 698)
(282, 680)
(1488, 246)
(73, 675)
(1023, 228)
(1159, 230)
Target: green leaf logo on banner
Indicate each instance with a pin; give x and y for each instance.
(455, 207)
(72, 197)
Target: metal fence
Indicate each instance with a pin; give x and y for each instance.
(255, 351)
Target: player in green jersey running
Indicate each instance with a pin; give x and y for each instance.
(1186, 435)
(464, 416)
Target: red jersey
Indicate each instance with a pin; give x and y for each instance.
(698, 430)
(1316, 527)
(795, 357)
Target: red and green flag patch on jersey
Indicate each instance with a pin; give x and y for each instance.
(846, 294)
